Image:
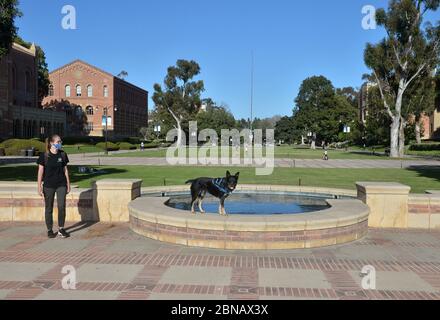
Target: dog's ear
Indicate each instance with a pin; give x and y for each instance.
(228, 174)
(237, 175)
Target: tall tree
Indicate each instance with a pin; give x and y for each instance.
(420, 101)
(316, 95)
(284, 130)
(320, 112)
(8, 31)
(180, 98)
(216, 118)
(405, 54)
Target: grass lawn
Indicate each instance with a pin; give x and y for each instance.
(280, 152)
(78, 149)
(420, 179)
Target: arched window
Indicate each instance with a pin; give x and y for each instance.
(105, 92)
(78, 90)
(51, 90)
(90, 90)
(67, 89)
(89, 111)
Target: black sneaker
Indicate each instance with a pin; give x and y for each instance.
(63, 234)
(51, 234)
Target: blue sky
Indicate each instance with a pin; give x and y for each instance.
(291, 40)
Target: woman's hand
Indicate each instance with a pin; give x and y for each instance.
(40, 190)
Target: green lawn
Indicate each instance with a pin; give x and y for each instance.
(78, 149)
(420, 180)
(280, 152)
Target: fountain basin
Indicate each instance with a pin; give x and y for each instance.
(342, 221)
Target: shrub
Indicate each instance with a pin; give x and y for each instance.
(425, 147)
(14, 146)
(110, 146)
(126, 146)
(132, 140)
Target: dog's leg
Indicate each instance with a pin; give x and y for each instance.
(193, 211)
(202, 196)
(200, 206)
(222, 207)
(194, 198)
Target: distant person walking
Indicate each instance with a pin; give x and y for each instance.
(142, 146)
(53, 178)
(325, 155)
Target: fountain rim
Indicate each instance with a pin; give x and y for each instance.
(345, 221)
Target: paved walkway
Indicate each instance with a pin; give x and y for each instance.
(113, 263)
(282, 163)
(97, 159)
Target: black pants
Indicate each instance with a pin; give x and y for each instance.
(49, 195)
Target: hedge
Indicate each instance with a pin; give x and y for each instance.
(126, 146)
(424, 147)
(110, 146)
(14, 146)
(156, 144)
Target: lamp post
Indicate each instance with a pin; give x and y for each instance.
(106, 127)
(105, 132)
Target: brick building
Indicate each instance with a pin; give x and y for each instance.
(87, 93)
(20, 113)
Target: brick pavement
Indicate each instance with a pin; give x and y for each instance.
(111, 262)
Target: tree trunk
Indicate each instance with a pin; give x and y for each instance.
(402, 138)
(179, 133)
(302, 140)
(395, 129)
(396, 123)
(418, 130)
(313, 144)
(179, 127)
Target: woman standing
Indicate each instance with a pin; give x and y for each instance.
(53, 178)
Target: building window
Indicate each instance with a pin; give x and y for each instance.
(89, 126)
(90, 91)
(51, 90)
(105, 92)
(78, 90)
(67, 91)
(89, 111)
(27, 82)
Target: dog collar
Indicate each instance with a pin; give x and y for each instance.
(218, 183)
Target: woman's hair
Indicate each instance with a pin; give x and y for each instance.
(49, 141)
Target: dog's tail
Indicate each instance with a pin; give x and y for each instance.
(189, 181)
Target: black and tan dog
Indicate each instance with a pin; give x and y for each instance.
(220, 188)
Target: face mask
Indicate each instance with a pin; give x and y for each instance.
(58, 146)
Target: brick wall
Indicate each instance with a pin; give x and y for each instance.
(424, 211)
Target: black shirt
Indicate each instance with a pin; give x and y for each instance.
(54, 175)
